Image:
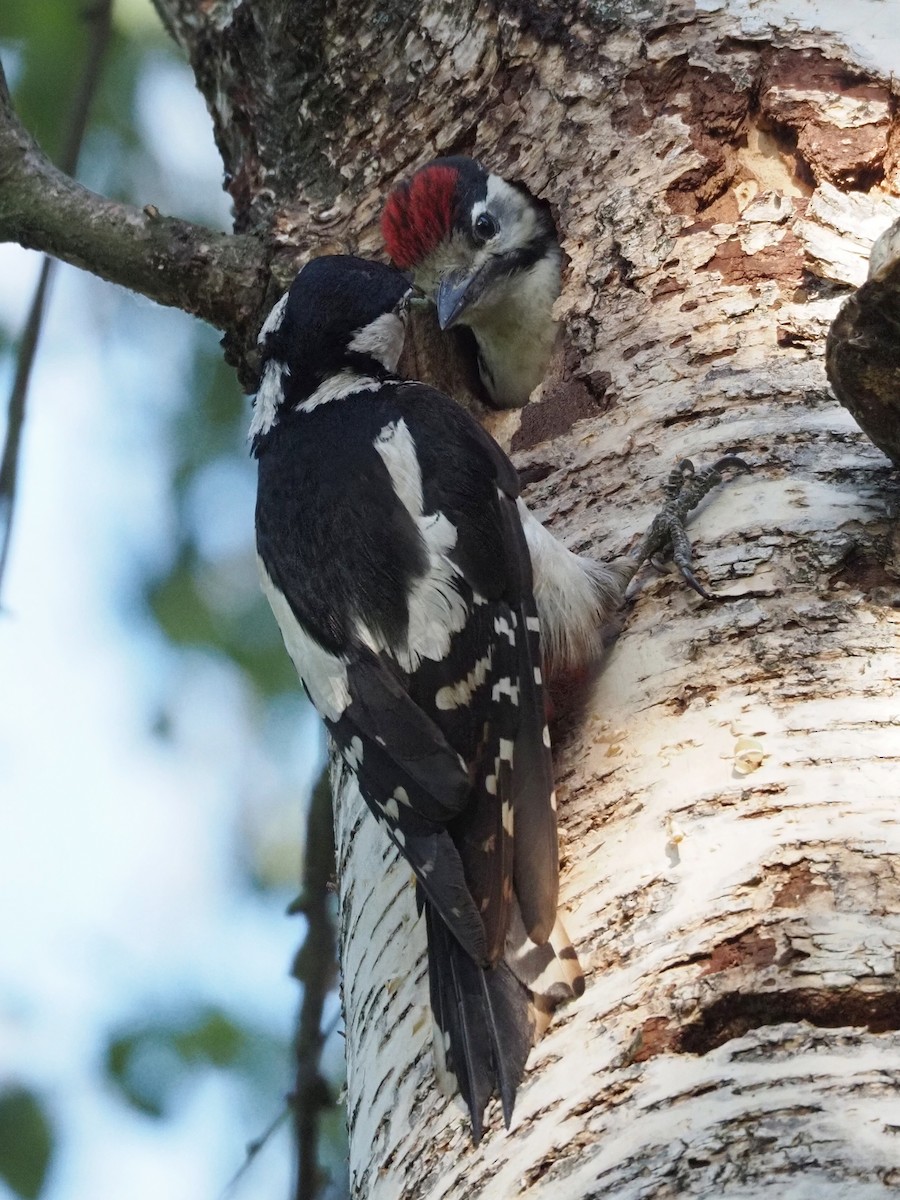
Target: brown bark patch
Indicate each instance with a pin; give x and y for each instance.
(869, 576)
(714, 111)
(657, 1035)
(568, 397)
(781, 262)
(846, 146)
(554, 414)
(737, 1013)
(748, 949)
(798, 884)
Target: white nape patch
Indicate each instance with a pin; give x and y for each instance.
(437, 610)
(398, 453)
(382, 339)
(274, 320)
(574, 595)
(458, 695)
(323, 675)
(505, 687)
(338, 387)
(268, 398)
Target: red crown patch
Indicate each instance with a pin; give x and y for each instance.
(419, 215)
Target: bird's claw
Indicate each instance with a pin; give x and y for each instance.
(666, 538)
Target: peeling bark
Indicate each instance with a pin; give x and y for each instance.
(718, 186)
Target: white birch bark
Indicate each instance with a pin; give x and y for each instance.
(729, 803)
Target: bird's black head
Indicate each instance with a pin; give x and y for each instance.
(342, 316)
(468, 236)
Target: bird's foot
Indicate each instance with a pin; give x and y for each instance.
(666, 538)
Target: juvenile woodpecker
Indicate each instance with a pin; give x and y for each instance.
(392, 552)
(486, 252)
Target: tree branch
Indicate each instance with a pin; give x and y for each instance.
(219, 277)
(315, 967)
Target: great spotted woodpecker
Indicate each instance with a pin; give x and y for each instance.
(486, 252)
(392, 551)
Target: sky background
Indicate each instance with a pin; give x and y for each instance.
(152, 796)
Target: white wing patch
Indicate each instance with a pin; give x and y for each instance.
(437, 610)
(269, 396)
(323, 675)
(505, 687)
(398, 453)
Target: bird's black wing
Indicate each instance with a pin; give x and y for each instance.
(467, 476)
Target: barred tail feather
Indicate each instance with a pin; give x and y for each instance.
(551, 972)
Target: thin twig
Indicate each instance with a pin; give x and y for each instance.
(98, 19)
(253, 1149)
(315, 967)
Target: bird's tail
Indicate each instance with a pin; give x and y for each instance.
(486, 1019)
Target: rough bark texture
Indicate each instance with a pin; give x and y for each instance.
(863, 348)
(728, 800)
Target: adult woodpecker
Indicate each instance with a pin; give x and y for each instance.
(392, 552)
(486, 252)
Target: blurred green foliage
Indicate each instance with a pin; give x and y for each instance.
(26, 1142)
(151, 1062)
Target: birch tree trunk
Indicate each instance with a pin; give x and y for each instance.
(728, 799)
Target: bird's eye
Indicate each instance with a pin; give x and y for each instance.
(485, 227)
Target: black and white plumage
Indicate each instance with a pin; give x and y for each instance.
(392, 552)
(486, 252)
